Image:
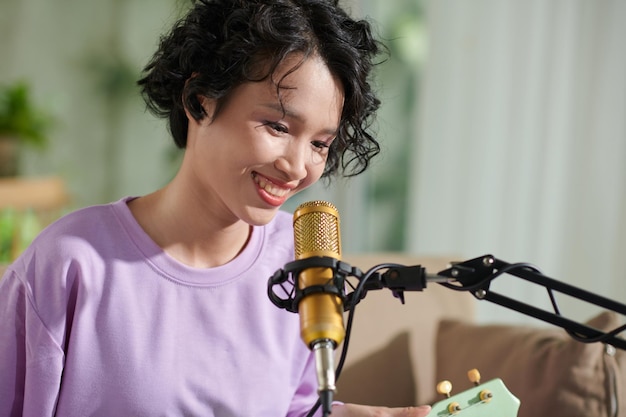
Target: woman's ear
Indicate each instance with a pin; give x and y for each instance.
(197, 106)
(202, 109)
(209, 105)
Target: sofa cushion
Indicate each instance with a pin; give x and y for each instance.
(383, 377)
(551, 373)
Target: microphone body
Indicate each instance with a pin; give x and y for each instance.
(316, 233)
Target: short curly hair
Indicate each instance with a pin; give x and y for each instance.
(219, 43)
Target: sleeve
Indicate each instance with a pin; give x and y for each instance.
(30, 361)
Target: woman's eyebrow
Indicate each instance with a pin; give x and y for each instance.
(277, 107)
(293, 115)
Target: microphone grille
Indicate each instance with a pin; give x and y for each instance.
(316, 230)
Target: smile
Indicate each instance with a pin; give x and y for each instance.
(270, 187)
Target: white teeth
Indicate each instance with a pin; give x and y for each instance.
(270, 188)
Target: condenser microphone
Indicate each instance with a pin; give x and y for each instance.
(316, 233)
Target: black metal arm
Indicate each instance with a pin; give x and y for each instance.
(474, 275)
(477, 274)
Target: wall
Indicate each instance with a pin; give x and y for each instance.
(82, 59)
(521, 143)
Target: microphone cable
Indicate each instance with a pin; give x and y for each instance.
(356, 297)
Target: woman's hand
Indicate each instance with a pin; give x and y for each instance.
(354, 410)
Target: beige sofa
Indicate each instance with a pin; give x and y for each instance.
(398, 353)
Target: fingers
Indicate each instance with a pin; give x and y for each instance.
(354, 410)
(421, 411)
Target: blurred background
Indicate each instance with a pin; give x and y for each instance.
(503, 128)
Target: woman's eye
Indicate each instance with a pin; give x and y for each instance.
(320, 146)
(277, 127)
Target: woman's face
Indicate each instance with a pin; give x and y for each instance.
(255, 153)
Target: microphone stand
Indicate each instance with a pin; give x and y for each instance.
(474, 275)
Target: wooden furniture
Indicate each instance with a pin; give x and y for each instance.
(39, 194)
(27, 204)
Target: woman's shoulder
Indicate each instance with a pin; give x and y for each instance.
(79, 230)
(82, 222)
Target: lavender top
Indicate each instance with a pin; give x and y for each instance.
(96, 320)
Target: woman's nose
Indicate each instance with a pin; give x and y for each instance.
(293, 162)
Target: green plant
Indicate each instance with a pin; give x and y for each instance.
(17, 231)
(7, 231)
(20, 118)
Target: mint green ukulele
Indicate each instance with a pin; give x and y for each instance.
(491, 398)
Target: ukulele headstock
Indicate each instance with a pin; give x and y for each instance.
(491, 398)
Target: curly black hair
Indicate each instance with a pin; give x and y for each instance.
(219, 44)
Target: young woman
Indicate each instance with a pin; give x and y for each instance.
(157, 305)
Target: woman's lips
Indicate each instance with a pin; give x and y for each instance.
(271, 192)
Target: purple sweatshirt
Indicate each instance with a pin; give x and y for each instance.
(96, 320)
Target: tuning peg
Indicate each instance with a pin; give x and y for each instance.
(444, 388)
(474, 376)
(485, 395)
(454, 407)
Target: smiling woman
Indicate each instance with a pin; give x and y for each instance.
(157, 304)
(251, 155)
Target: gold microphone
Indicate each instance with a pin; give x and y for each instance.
(316, 233)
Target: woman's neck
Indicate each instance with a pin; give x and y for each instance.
(188, 228)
